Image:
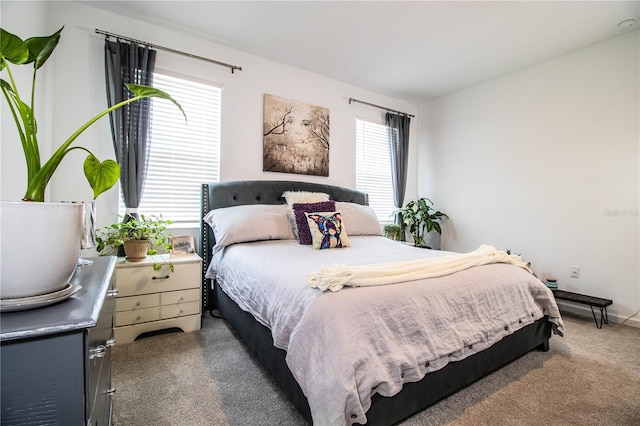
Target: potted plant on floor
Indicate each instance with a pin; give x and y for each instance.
(421, 218)
(392, 231)
(140, 237)
(52, 232)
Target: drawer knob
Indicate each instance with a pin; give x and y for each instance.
(138, 318)
(137, 303)
(180, 299)
(164, 277)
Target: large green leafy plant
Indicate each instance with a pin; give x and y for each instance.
(36, 50)
(421, 218)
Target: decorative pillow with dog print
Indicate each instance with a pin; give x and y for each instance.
(299, 210)
(327, 230)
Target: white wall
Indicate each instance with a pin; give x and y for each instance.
(545, 161)
(79, 93)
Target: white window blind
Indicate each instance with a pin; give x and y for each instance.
(182, 155)
(373, 167)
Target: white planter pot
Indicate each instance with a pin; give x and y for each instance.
(433, 240)
(39, 247)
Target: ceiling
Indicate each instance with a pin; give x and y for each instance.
(411, 50)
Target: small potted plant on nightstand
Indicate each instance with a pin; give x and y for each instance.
(140, 237)
(421, 218)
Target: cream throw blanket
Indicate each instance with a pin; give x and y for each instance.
(334, 278)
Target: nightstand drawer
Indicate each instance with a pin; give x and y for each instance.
(133, 281)
(137, 317)
(182, 309)
(132, 303)
(176, 297)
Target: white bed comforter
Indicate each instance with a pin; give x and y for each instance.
(343, 347)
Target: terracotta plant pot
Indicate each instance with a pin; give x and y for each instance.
(136, 250)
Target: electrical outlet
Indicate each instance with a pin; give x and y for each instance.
(575, 272)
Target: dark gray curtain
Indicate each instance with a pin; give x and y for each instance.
(398, 136)
(129, 63)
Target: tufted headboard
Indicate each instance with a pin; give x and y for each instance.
(217, 195)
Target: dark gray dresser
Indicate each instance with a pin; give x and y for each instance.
(56, 360)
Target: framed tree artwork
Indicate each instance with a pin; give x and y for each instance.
(295, 137)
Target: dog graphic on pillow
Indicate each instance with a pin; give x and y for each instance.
(330, 228)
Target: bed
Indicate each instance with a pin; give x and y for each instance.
(294, 353)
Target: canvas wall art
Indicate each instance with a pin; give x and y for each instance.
(295, 137)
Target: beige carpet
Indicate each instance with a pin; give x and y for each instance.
(589, 377)
(563, 391)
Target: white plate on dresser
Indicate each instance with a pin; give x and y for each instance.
(32, 302)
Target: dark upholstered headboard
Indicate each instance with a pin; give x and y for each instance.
(217, 195)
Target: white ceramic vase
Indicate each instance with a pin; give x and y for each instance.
(39, 247)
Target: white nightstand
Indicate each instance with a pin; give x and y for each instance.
(151, 300)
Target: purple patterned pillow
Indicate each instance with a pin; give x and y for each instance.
(299, 209)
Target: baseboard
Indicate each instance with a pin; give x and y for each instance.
(633, 322)
(585, 311)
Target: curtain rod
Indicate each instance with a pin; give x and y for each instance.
(381, 107)
(168, 49)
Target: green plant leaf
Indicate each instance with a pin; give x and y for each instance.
(26, 126)
(101, 176)
(149, 92)
(12, 49)
(6, 86)
(436, 226)
(40, 48)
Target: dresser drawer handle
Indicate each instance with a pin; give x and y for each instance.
(137, 303)
(97, 352)
(112, 293)
(138, 318)
(164, 277)
(180, 299)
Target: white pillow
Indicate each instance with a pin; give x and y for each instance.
(358, 219)
(255, 222)
(293, 197)
(299, 197)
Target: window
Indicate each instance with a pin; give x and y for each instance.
(182, 155)
(373, 167)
